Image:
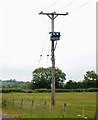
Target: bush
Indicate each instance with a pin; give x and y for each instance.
(30, 91)
(9, 90)
(79, 90)
(0, 90)
(63, 90)
(42, 90)
(4, 102)
(93, 90)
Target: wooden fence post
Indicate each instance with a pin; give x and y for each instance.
(44, 105)
(50, 106)
(21, 102)
(13, 100)
(29, 100)
(96, 113)
(32, 103)
(64, 109)
(39, 103)
(83, 111)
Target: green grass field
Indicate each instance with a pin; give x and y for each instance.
(74, 108)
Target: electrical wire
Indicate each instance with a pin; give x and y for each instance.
(44, 21)
(41, 55)
(55, 45)
(81, 6)
(47, 60)
(46, 38)
(64, 19)
(66, 5)
(48, 54)
(51, 5)
(62, 25)
(74, 10)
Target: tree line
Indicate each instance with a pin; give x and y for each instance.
(41, 78)
(12, 83)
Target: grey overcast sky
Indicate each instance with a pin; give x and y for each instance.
(24, 34)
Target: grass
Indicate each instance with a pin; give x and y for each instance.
(74, 102)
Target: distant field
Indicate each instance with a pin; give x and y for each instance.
(78, 105)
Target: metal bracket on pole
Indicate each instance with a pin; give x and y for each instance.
(53, 13)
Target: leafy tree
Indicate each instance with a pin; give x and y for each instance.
(41, 78)
(80, 84)
(90, 79)
(90, 75)
(70, 85)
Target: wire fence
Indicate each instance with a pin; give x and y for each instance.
(76, 110)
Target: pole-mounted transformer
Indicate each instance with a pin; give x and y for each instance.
(55, 36)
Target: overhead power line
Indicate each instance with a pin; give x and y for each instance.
(81, 6)
(54, 3)
(74, 10)
(66, 5)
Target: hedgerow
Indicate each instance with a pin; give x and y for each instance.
(10, 90)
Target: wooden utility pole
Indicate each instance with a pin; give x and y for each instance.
(52, 16)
